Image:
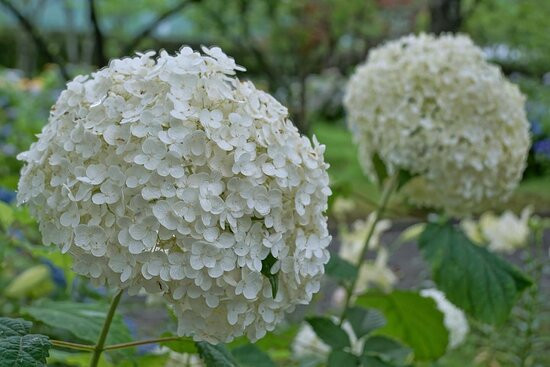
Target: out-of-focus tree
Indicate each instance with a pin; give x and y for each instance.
(519, 32)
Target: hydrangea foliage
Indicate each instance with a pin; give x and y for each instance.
(171, 175)
(436, 108)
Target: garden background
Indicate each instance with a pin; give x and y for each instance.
(302, 52)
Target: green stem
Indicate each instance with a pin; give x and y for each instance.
(141, 342)
(98, 349)
(70, 345)
(389, 187)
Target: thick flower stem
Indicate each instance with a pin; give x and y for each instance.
(98, 349)
(387, 191)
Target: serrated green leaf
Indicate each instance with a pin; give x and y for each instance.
(215, 355)
(339, 358)
(83, 320)
(24, 351)
(249, 355)
(14, 327)
(379, 168)
(364, 321)
(182, 345)
(386, 349)
(329, 332)
(20, 349)
(267, 264)
(340, 269)
(474, 279)
(411, 319)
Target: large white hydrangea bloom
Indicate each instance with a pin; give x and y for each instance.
(453, 317)
(173, 176)
(436, 108)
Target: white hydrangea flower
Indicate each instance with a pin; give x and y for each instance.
(505, 233)
(170, 175)
(353, 240)
(306, 343)
(436, 108)
(453, 317)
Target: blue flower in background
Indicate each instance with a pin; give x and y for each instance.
(542, 147)
(58, 276)
(133, 327)
(536, 127)
(7, 196)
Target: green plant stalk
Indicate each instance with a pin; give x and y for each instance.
(535, 261)
(98, 349)
(70, 345)
(387, 191)
(141, 342)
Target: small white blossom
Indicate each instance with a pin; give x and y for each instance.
(453, 317)
(505, 233)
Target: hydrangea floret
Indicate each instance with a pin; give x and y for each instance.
(168, 174)
(433, 106)
(453, 317)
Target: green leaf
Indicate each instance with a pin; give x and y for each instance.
(14, 327)
(182, 345)
(379, 168)
(215, 355)
(340, 269)
(339, 358)
(6, 215)
(403, 178)
(20, 349)
(83, 320)
(82, 359)
(387, 350)
(363, 320)
(32, 281)
(249, 355)
(280, 338)
(370, 361)
(412, 319)
(329, 332)
(473, 278)
(267, 264)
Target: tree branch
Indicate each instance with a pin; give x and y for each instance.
(132, 45)
(37, 40)
(99, 44)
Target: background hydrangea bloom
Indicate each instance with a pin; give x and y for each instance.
(505, 233)
(173, 176)
(453, 317)
(435, 107)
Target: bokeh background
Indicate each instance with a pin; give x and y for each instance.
(301, 51)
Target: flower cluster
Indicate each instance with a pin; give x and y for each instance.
(453, 317)
(307, 344)
(173, 176)
(505, 233)
(433, 106)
